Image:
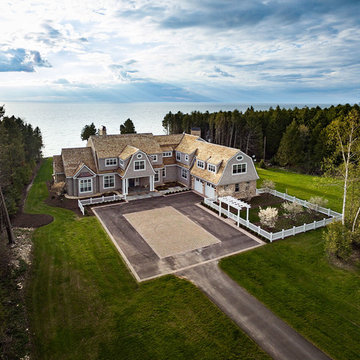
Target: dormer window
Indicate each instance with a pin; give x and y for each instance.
(200, 164)
(111, 162)
(167, 154)
(212, 168)
(153, 158)
(178, 156)
(186, 157)
(121, 163)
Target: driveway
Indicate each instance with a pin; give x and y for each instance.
(143, 260)
(277, 338)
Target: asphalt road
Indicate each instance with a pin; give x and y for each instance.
(270, 332)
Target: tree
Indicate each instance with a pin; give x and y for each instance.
(291, 147)
(128, 127)
(87, 131)
(344, 137)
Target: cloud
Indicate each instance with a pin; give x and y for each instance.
(21, 60)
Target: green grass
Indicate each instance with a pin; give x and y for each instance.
(295, 280)
(84, 304)
(304, 186)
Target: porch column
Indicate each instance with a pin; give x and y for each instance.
(125, 183)
(151, 179)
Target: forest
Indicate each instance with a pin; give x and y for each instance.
(20, 150)
(294, 138)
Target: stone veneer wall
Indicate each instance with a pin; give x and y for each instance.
(247, 190)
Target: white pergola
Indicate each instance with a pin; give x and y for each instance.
(235, 203)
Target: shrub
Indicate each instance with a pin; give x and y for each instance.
(262, 164)
(268, 185)
(338, 241)
(317, 201)
(292, 209)
(268, 217)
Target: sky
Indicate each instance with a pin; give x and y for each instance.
(280, 51)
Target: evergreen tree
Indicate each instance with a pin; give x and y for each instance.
(87, 131)
(291, 147)
(128, 127)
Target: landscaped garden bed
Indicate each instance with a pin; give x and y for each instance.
(169, 185)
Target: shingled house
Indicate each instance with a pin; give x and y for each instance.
(133, 161)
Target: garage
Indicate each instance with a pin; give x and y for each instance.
(210, 190)
(198, 185)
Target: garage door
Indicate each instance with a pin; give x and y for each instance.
(209, 190)
(198, 186)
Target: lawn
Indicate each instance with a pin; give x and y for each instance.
(295, 280)
(84, 304)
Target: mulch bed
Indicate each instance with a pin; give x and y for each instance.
(265, 200)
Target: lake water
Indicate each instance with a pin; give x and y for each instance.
(61, 123)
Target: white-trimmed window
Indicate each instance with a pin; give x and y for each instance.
(164, 172)
(212, 168)
(121, 163)
(237, 187)
(184, 173)
(157, 176)
(178, 156)
(200, 164)
(139, 156)
(111, 162)
(85, 185)
(139, 165)
(108, 181)
(186, 157)
(167, 153)
(239, 168)
(239, 157)
(153, 158)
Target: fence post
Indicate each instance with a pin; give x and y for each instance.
(329, 210)
(259, 229)
(293, 230)
(282, 233)
(324, 222)
(304, 227)
(271, 236)
(314, 224)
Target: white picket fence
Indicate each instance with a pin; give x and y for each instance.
(283, 233)
(98, 200)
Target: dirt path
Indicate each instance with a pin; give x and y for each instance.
(271, 333)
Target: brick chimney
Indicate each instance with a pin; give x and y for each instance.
(196, 131)
(102, 130)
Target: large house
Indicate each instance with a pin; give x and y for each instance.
(133, 161)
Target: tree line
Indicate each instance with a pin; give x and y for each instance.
(294, 138)
(20, 149)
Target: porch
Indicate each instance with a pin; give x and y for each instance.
(134, 186)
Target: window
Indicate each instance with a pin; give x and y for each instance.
(85, 185)
(186, 157)
(139, 156)
(184, 173)
(212, 168)
(121, 163)
(164, 172)
(111, 162)
(237, 187)
(239, 157)
(109, 181)
(153, 158)
(167, 153)
(239, 168)
(200, 164)
(157, 176)
(178, 156)
(139, 165)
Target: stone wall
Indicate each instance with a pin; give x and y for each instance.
(247, 190)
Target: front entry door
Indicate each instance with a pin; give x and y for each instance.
(136, 182)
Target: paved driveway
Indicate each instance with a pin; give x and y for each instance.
(276, 337)
(142, 260)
